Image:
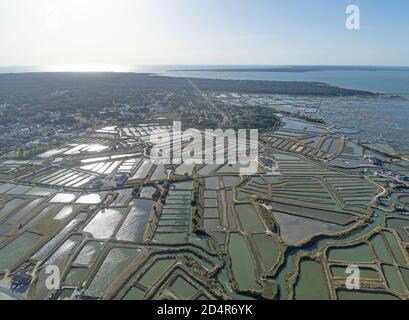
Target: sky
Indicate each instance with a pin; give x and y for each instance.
(185, 32)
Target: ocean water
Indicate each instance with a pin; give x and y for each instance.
(383, 81)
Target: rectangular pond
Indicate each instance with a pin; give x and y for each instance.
(18, 249)
(114, 264)
(242, 263)
(103, 225)
(133, 227)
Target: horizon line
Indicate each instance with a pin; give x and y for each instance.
(109, 68)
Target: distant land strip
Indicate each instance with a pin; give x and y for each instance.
(299, 69)
(108, 87)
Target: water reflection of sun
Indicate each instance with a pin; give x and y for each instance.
(86, 68)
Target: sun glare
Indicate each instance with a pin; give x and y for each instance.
(87, 68)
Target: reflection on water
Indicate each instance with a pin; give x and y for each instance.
(89, 253)
(64, 213)
(134, 225)
(102, 226)
(115, 263)
(63, 198)
(58, 259)
(49, 246)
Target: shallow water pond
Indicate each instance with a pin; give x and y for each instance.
(25, 211)
(405, 275)
(269, 249)
(9, 207)
(92, 198)
(212, 183)
(396, 249)
(4, 228)
(311, 282)
(133, 227)
(50, 245)
(147, 192)
(19, 190)
(365, 273)
(134, 293)
(401, 226)
(114, 264)
(123, 198)
(185, 169)
(381, 251)
(18, 249)
(392, 278)
(103, 225)
(356, 253)
(143, 170)
(59, 259)
(183, 185)
(43, 214)
(75, 276)
(6, 187)
(230, 181)
(183, 289)
(242, 263)
(301, 125)
(89, 253)
(51, 153)
(208, 169)
(159, 173)
(344, 294)
(65, 212)
(155, 271)
(42, 192)
(249, 219)
(63, 198)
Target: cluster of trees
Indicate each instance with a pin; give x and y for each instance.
(256, 118)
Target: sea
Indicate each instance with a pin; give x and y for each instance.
(375, 120)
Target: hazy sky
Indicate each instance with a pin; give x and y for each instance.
(131, 32)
